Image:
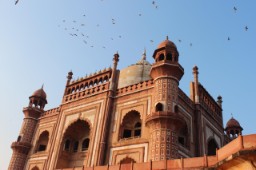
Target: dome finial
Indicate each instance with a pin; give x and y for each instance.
(231, 115)
(167, 38)
(42, 86)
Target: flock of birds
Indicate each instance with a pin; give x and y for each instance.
(246, 27)
(77, 29)
(76, 32)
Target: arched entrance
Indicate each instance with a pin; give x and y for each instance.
(74, 145)
(212, 146)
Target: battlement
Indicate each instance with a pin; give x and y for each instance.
(207, 101)
(135, 87)
(94, 83)
(51, 112)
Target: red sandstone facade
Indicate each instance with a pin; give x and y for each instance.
(137, 115)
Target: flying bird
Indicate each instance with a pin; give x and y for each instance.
(179, 40)
(85, 41)
(16, 2)
(228, 38)
(246, 28)
(139, 14)
(151, 41)
(235, 9)
(190, 44)
(153, 2)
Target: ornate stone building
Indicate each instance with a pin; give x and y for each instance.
(134, 115)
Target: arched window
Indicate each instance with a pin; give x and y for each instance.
(183, 135)
(75, 146)
(85, 144)
(67, 145)
(159, 107)
(212, 146)
(161, 57)
(42, 141)
(19, 138)
(131, 125)
(176, 109)
(169, 56)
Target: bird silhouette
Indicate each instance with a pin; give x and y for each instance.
(151, 41)
(16, 2)
(235, 9)
(179, 40)
(246, 28)
(228, 38)
(190, 44)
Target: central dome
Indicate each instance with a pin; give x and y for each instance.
(135, 73)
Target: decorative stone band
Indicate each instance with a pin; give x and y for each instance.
(21, 147)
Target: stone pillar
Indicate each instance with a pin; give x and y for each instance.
(195, 73)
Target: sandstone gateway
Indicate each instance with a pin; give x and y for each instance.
(134, 118)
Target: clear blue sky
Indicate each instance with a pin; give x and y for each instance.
(36, 47)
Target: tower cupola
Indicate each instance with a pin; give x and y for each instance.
(166, 50)
(233, 128)
(38, 99)
(166, 64)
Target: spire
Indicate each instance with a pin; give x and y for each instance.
(195, 73)
(167, 38)
(144, 55)
(219, 101)
(69, 77)
(42, 86)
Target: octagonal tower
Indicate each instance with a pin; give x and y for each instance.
(164, 120)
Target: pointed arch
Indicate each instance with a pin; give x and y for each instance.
(131, 125)
(159, 107)
(35, 168)
(127, 160)
(212, 146)
(169, 56)
(161, 57)
(75, 133)
(42, 141)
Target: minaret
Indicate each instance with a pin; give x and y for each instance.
(107, 116)
(23, 144)
(164, 120)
